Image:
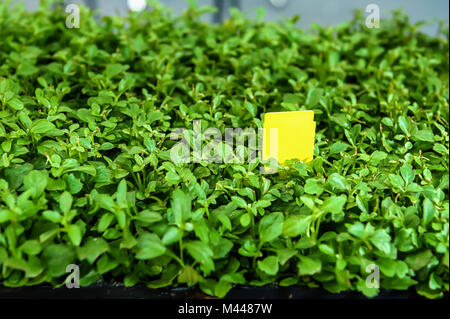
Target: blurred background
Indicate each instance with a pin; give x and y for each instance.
(324, 12)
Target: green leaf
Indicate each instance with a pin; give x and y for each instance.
(419, 260)
(15, 103)
(381, 239)
(405, 125)
(148, 217)
(114, 69)
(269, 265)
(74, 233)
(189, 276)
(105, 221)
(172, 235)
(387, 266)
(270, 227)
(407, 173)
(337, 181)
(168, 275)
(334, 204)
(36, 181)
(202, 253)
(399, 283)
(338, 147)
(362, 204)
(52, 216)
(149, 246)
(122, 192)
(65, 202)
(42, 127)
(105, 264)
(31, 247)
(313, 186)
(377, 157)
(424, 135)
(396, 181)
(240, 202)
(251, 108)
(308, 266)
(313, 97)
(245, 219)
(181, 206)
(57, 257)
(88, 169)
(295, 225)
(92, 249)
(429, 211)
(357, 229)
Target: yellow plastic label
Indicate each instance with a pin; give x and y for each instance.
(289, 135)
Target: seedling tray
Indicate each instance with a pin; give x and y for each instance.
(118, 291)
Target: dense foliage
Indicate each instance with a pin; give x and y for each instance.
(86, 179)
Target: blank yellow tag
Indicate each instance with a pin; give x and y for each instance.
(289, 135)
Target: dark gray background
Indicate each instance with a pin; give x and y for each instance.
(324, 12)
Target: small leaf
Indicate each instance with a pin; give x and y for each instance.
(74, 233)
(122, 192)
(396, 181)
(337, 181)
(419, 260)
(65, 202)
(52, 216)
(424, 135)
(148, 217)
(270, 227)
(308, 266)
(405, 125)
(172, 235)
(15, 103)
(313, 186)
(41, 127)
(202, 253)
(407, 173)
(189, 276)
(251, 108)
(181, 206)
(36, 181)
(334, 204)
(149, 247)
(313, 97)
(239, 201)
(294, 226)
(338, 147)
(269, 265)
(429, 211)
